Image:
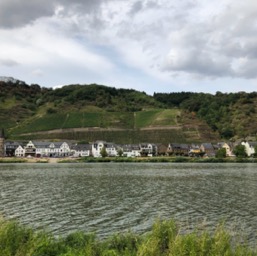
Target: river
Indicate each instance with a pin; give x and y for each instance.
(108, 198)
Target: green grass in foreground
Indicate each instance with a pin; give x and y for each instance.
(163, 239)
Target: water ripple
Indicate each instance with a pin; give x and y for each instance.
(111, 198)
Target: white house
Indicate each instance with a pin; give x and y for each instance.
(131, 150)
(110, 148)
(19, 151)
(47, 149)
(148, 149)
(30, 149)
(249, 147)
(81, 150)
(64, 148)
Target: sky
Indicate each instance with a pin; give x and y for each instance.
(148, 45)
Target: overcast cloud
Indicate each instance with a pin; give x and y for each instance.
(147, 45)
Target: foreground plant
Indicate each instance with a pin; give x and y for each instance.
(163, 240)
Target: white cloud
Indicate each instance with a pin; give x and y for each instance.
(8, 62)
(167, 41)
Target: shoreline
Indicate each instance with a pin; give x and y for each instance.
(52, 160)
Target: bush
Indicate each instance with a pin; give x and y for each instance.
(51, 111)
(164, 239)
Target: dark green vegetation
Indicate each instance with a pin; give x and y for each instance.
(123, 115)
(231, 114)
(239, 151)
(163, 239)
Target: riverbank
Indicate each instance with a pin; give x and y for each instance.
(127, 160)
(32, 160)
(163, 160)
(163, 239)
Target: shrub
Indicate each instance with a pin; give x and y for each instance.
(163, 240)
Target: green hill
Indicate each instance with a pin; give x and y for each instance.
(89, 112)
(232, 115)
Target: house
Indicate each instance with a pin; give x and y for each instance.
(249, 147)
(184, 148)
(30, 149)
(194, 150)
(111, 149)
(97, 147)
(208, 149)
(43, 149)
(19, 151)
(161, 150)
(178, 149)
(63, 148)
(131, 150)
(173, 149)
(148, 149)
(47, 149)
(228, 148)
(10, 147)
(81, 150)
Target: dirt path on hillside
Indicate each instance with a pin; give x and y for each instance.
(95, 129)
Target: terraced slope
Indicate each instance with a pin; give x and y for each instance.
(89, 112)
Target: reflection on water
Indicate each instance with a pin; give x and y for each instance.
(110, 198)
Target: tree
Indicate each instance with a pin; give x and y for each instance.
(120, 152)
(103, 152)
(227, 133)
(255, 151)
(240, 151)
(221, 153)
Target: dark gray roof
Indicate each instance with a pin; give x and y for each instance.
(12, 143)
(208, 146)
(130, 147)
(184, 146)
(253, 143)
(80, 147)
(46, 144)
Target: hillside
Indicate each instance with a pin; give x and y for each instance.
(232, 115)
(89, 112)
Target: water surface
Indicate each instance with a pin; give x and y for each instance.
(107, 198)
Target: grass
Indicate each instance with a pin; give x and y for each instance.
(129, 121)
(156, 117)
(166, 117)
(13, 160)
(159, 159)
(120, 137)
(76, 120)
(8, 103)
(146, 118)
(164, 239)
(6, 123)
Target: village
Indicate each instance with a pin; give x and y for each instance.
(65, 149)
